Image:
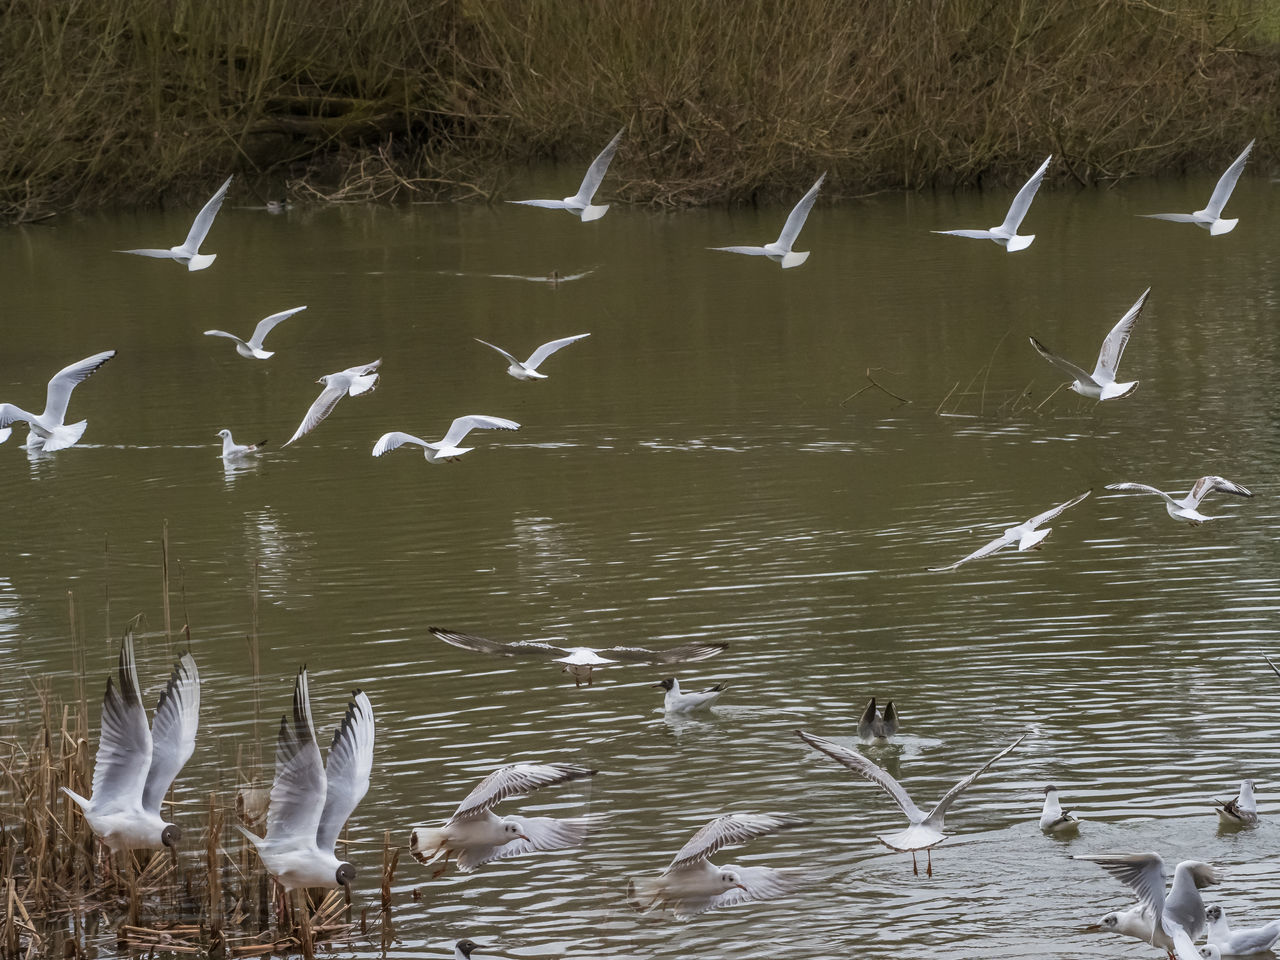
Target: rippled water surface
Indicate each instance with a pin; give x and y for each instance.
(703, 467)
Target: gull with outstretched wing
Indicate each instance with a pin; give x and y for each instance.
(1210, 218)
(252, 348)
(580, 203)
(1101, 384)
(1006, 234)
(779, 251)
(1026, 534)
(528, 369)
(446, 449)
(1187, 509)
(48, 430)
(188, 251)
(351, 382)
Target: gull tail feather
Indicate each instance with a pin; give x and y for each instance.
(1219, 227)
(593, 212)
(1019, 243)
(643, 894)
(427, 844)
(363, 384)
(794, 259)
(201, 260)
(65, 436)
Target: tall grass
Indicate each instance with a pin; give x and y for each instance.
(381, 99)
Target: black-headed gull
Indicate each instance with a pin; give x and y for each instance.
(926, 829)
(475, 834)
(528, 370)
(1186, 509)
(1006, 234)
(188, 251)
(692, 884)
(1053, 819)
(1242, 810)
(682, 701)
(580, 661)
(1025, 535)
(580, 203)
(252, 348)
(1239, 942)
(351, 382)
(780, 250)
(135, 765)
(446, 449)
(872, 726)
(1101, 384)
(1210, 218)
(1136, 922)
(231, 449)
(311, 802)
(463, 949)
(48, 431)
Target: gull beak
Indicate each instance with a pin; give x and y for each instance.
(346, 891)
(741, 886)
(524, 837)
(658, 686)
(173, 854)
(1093, 928)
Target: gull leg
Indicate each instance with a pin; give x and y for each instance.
(444, 865)
(914, 867)
(930, 870)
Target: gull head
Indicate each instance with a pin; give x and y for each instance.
(325, 379)
(1050, 789)
(170, 835)
(729, 880)
(666, 684)
(344, 875)
(465, 948)
(1211, 952)
(512, 831)
(1213, 914)
(1108, 923)
(225, 434)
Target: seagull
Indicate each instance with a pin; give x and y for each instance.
(48, 431)
(475, 834)
(580, 203)
(1179, 917)
(135, 766)
(1242, 811)
(1210, 218)
(1006, 234)
(352, 382)
(252, 350)
(1101, 384)
(1054, 819)
(189, 252)
(926, 830)
(873, 727)
(1024, 534)
(1186, 508)
(1239, 942)
(463, 949)
(529, 369)
(780, 250)
(579, 661)
(692, 884)
(676, 701)
(446, 449)
(231, 449)
(310, 803)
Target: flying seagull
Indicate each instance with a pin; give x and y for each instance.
(189, 251)
(1053, 819)
(1024, 534)
(780, 250)
(692, 884)
(679, 701)
(872, 726)
(1186, 509)
(580, 203)
(1006, 234)
(252, 348)
(310, 803)
(475, 834)
(579, 661)
(446, 449)
(1238, 942)
(135, 765)
(1210, 218)
(350, 382)
(1240, 811)
(926, 829)
(48, 431)
(1101, 384)
(528, 370)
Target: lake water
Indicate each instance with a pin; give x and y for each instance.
(702, 467)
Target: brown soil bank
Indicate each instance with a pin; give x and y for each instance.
(129, 100)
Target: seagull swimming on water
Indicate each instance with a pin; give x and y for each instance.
(252, 348)
(351, 382)
(310, 803)
(49, 432)
(446, 449)
(1006, 234)
(1210, 218)
(135, 765)
(188, 251)
(1101, 384)
(580, 203)
(528, 370)
(1186, 509)
(1239, 942)
(926, 829)
(475, 835)
(1053, 819)
(463, 949)
(231, 449)
(780, 250)
(1024, 534)
(680, 701)
(1242, 811)
(872, 726)
(692, 884)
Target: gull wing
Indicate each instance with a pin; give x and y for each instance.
(516, 779)
(223, 333)
(390, 441)
(1117, 340)
(173, 731)
(1174, 217)
(464, 425)
(1143, 872)
(547, 349)
(749, 251)
(599, 167)
(499, 349)
(1184, 947)
(10, 413)
(861, 765)
(321, 408)
(1061, 508)
(939, 810)
(1142, 488)
(730, 829)
(1066, 366)
(984, 551)
(1207, 485)
(799, 214)
(685, 653)
(761, 883)
(1274, 668)
(204, 219)
(525, 648)
(65, 380)
(1227, 183)
(1022, 202)
(544, 833)
(346, 771)
(124, 745)
(297, 795)
(549, 204)
(971, 234)
(267, 324)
